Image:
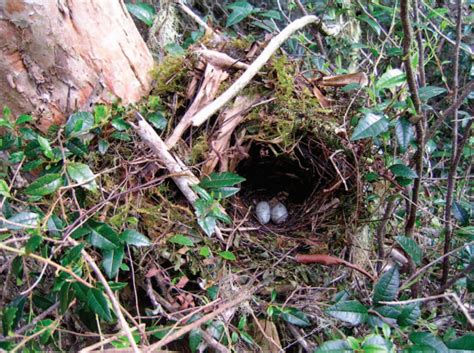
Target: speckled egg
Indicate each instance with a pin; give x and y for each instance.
(263, 212)
(279, 213)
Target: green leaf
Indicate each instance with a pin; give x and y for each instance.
(227, 255)
(144, 12)
(24, 220)
(45, 147)
(390, 79)
(181, 240)
(72, 255)
(4, 189)
(334, 346)
(404, 133)
(350, 311)
(79, 124)
(219, 180)
(205, 251)
(411, 248)
(374, 25)
(103, 146)
(409, 314)
(461, 215)
(33, 243)
(111, 261)
(98, 304)
(103, 237)
(371, 125)
(295, 317)
(240, 11)
(82, 174)
(428, 339)
(76, 146)
(464, 343)
(428, 92)
(101, 113)
(401, 170)
(386, 288)
(271, 14)
(45, 185)
(8, 318)
(174, 49)
(120, 125)
(158, 120)
(23, 119)
(224, 192)
(135, 238)
(66, 295)
(195, 339)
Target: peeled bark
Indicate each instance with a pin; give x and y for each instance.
(57, 56)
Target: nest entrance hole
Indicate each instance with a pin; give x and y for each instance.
(297, 178)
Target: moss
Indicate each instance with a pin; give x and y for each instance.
(198, 151)
(170, 75)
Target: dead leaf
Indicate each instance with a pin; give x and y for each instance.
(343, 80)
(325, 103)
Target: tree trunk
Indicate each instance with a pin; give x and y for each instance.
(57, 56)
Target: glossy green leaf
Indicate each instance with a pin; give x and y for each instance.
(295, 317)
(77, 147)
(205, 251)
(135, 238)
(82, 174)
(219, 180)
(374, 25)
(386, 289)
(460, 213)
(404, 133)
(144, 12)
(111, 261)
(4, 189)
(411, 248)
(401, 170)
(98, 304)
(103, 237)
(23, 119)
(120, 125)
(409, 314)
(66, 295)
(45, 185)
(8, 318)
(22, 220)
(158, 120)
(195, 339)
(462, 344)
(79, 124)
(72, 254)
(103, 146)
(45, 147)
(334, 346)
(390, 79)
(181, 240)
(351, 312)
(240, 11)
(224, 192)
(371, 125)
(428, 339)
(428, 92)
(33, 243)
(227, 255)
(274, 14)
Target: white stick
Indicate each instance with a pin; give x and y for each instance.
(247, 76)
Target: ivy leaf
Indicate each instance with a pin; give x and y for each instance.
(227, 255)
(240, 11)
(428, 92)
(144, 12)
(401, 170)
(98, 304)
(45, 185)
(111, 261)
(25, 219)
(409, 314)
(404, 133)
(386, 288)
(181, 240)
(78, 124)
(390, 79)
(82, 174)
(371, 125)
(224, 192)
(132, 237)
(350, 311)
(220, 180)
(102, 236)
(411, 248)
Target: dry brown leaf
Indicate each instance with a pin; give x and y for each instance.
(325, 103)
(343, 80)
